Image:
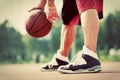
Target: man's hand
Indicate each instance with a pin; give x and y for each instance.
(52, 12)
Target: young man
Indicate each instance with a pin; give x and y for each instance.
(88, 12)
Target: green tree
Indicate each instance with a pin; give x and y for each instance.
(55, 36)
(116, 28)
(79, 39)
(109, 32)
(11, 43)
(110, 38)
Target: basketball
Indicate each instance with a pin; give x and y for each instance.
(37, 24)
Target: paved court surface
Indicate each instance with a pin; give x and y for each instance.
(111, 71)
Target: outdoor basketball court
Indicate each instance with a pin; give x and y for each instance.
(111, 71)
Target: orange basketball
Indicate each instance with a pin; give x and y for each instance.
(37, 24)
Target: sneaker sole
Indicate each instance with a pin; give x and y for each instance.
(94, 69)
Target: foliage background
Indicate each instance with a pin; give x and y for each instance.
(18, 47)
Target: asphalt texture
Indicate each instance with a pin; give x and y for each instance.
(110, 71)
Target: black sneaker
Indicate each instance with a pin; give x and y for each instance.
(90, 65)
(54, 64)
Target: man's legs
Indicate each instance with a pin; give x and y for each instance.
(90, 28)
(68, 34)
(87, 59)
(70, 18)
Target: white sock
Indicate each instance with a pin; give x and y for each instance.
(61, 57)
(89, 52)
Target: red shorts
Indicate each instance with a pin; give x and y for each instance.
(73, 8)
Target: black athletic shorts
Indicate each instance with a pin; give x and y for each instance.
(72, 8)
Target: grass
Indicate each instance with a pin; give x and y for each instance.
(103, 58)
(15, 61)
(109, 58)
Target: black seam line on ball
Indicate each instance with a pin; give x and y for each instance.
(35, 21)
(41, 28)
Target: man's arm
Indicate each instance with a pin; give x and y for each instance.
(51, 3)
(42, 4)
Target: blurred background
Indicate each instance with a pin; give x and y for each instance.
(16, 46)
